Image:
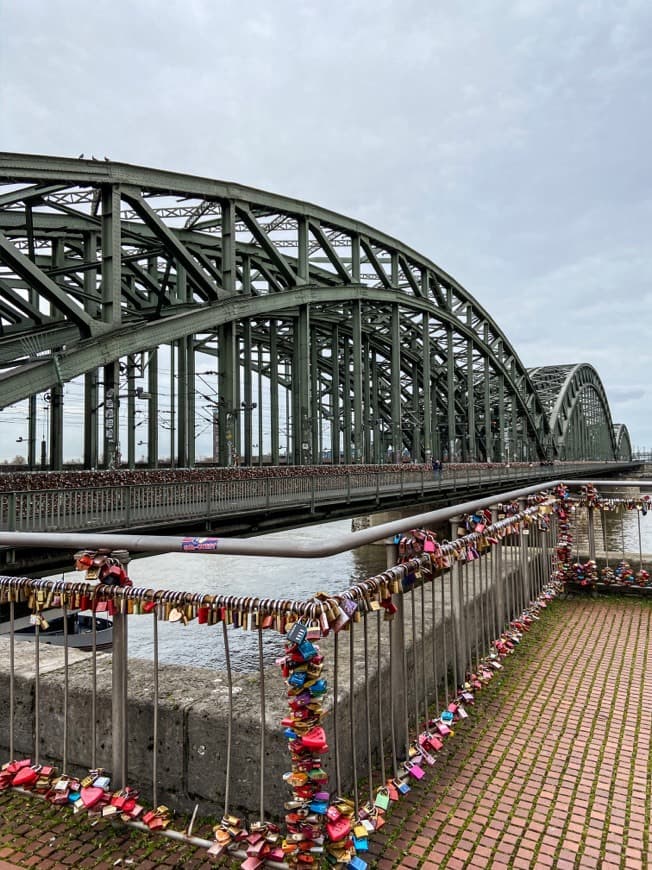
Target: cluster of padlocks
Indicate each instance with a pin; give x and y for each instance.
(91, 795)
(624, 575)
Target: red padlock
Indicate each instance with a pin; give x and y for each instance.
(338, 829)
(315, 740)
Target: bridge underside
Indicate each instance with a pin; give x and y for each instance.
(137, 304)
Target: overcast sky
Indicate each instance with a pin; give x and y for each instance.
(507, 141)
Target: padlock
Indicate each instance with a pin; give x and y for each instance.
(382, 798)
(414, 769)
(297, 633)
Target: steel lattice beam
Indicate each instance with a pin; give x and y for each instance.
(103, 261)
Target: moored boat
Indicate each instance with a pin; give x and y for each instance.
(78, 633)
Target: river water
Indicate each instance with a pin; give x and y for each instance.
(202, 645)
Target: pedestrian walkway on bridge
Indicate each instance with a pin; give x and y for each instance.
(552, 769)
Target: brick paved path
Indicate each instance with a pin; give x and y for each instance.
(557, 769)
(552, 769)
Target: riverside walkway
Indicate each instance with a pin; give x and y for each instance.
(552, 769)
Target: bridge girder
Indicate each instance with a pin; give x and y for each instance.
(102, 261)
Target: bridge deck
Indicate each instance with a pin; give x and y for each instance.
(551, 770)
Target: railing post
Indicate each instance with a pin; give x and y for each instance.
(524, 539)
(11, 511)
(312, 494)
(591, 531)
(377, 487)
(267, 491)
(496, 556)
(128, 500)
(119, 690)
(458, 615)
(348, 487)
(397, 678)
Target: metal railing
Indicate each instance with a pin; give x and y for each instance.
(153, 504)
(398, 650)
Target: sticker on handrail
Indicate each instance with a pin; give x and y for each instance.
(199, 545)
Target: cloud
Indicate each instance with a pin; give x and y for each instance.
(509, 142)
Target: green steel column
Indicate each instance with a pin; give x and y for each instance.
(191, 397)
(488, 428)
(261, 396)
(394, 269)
(289, 432)
(417, 423)
(152, 420)
(450, 392)
(248, 396)
(32, 296)
(228, 372)
(228, 246)
(91, 419)
(356, 322)
(182, 403)
(370, 412)
(514, 429)
(470, 391)
(173, 399)
(110, 408)
(436, 437)
(501, 416)
(131, 413)
(397, 441)
(301, 421)
(426, 387)
(182, 390)
(273, 392)
(111, 311)
(303, 253)
(355, 258)
(56, 390)
(347, 428)
(315, 400)
(111, 254)
(335, 396)
(378, 447)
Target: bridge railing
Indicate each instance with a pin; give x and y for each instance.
(151, 504)
(363, 684)
(389, 663)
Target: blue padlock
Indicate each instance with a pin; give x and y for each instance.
(307, 650)
(319, 687)
(356, 863)
(319, 807)
(298, 679)
(361, 844)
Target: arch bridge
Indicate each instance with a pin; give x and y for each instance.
(138, 300)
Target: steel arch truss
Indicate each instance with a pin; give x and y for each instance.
(623, 442)
(579, 414)
(325, 335)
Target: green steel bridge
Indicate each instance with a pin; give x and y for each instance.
(175, 303)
